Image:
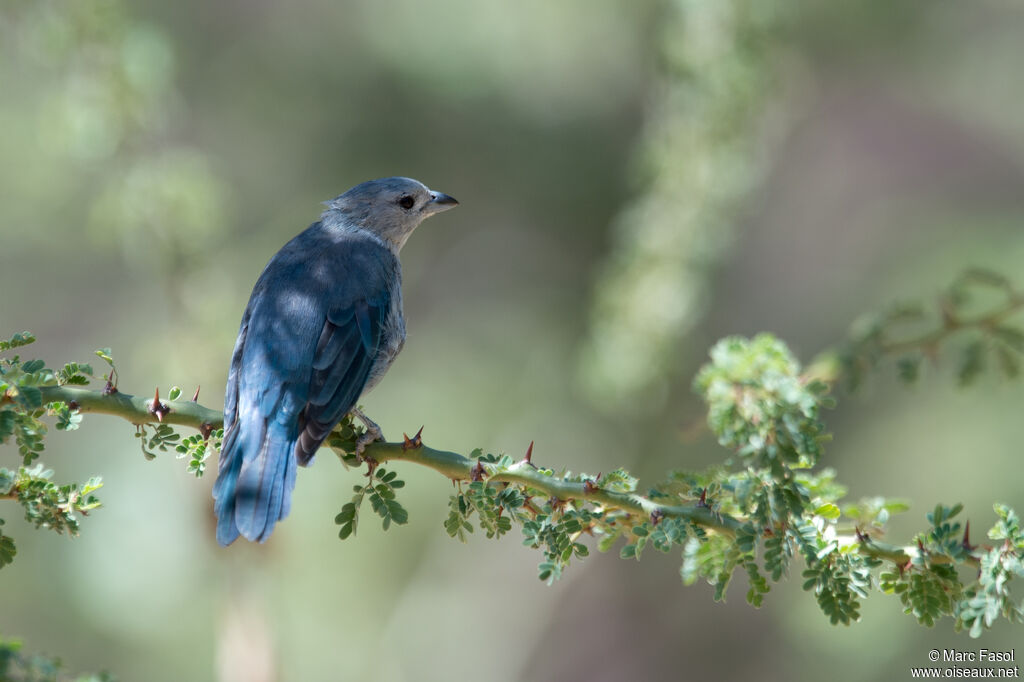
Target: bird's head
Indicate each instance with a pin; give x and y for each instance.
(389, 207)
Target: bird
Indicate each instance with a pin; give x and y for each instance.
(323, 324)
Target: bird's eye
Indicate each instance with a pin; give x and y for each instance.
(406, 202)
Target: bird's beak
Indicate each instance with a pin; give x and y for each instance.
(439, 202)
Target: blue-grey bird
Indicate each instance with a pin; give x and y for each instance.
(323, 324)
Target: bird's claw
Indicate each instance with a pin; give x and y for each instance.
(372, 433)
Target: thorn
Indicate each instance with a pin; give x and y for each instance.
(195, 396)
(589, 486)
(656, 516)
(556, 503)
(703, 501)
(157, 408)
(111, 387)
(371, 465)
(478, 472)
(861, 537)
(967, 538)
(112, 383)
(414, 442)
(205, 429)
(73, 405)
(529, 456)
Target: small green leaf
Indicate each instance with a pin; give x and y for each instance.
(909, 367)
(32, 366)
(1009, 363)
(7, 549)
(828, 511)
(31, 397)
(972, 362)
(1011, 336)
(19, 339)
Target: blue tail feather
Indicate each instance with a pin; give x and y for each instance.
(224, 489)
(257, 476)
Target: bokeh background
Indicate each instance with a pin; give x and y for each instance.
(637, 180)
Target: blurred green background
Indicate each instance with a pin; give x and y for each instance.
(637, 180)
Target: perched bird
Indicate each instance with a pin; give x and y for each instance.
(323, 324)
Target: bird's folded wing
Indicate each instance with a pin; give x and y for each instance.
(345, 353)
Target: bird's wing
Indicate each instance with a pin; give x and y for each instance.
(351, 338)
(231, 392)
(308, 340)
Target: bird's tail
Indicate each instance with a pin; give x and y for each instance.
(257, 475)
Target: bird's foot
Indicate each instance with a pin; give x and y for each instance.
(372, 433)
(365, 440)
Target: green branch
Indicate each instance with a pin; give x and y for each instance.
(461, 468)
(138, 410)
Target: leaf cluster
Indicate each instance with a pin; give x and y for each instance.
(971, 325)
(494, 507)
(18, 666)
(380, 490)
(989, 596)
(46, 504)
(23, 418)
(791, 510)
(153, 437)
(197, 450)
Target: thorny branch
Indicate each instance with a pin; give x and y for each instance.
(457, 467)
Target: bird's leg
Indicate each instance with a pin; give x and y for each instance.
(373, 433)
